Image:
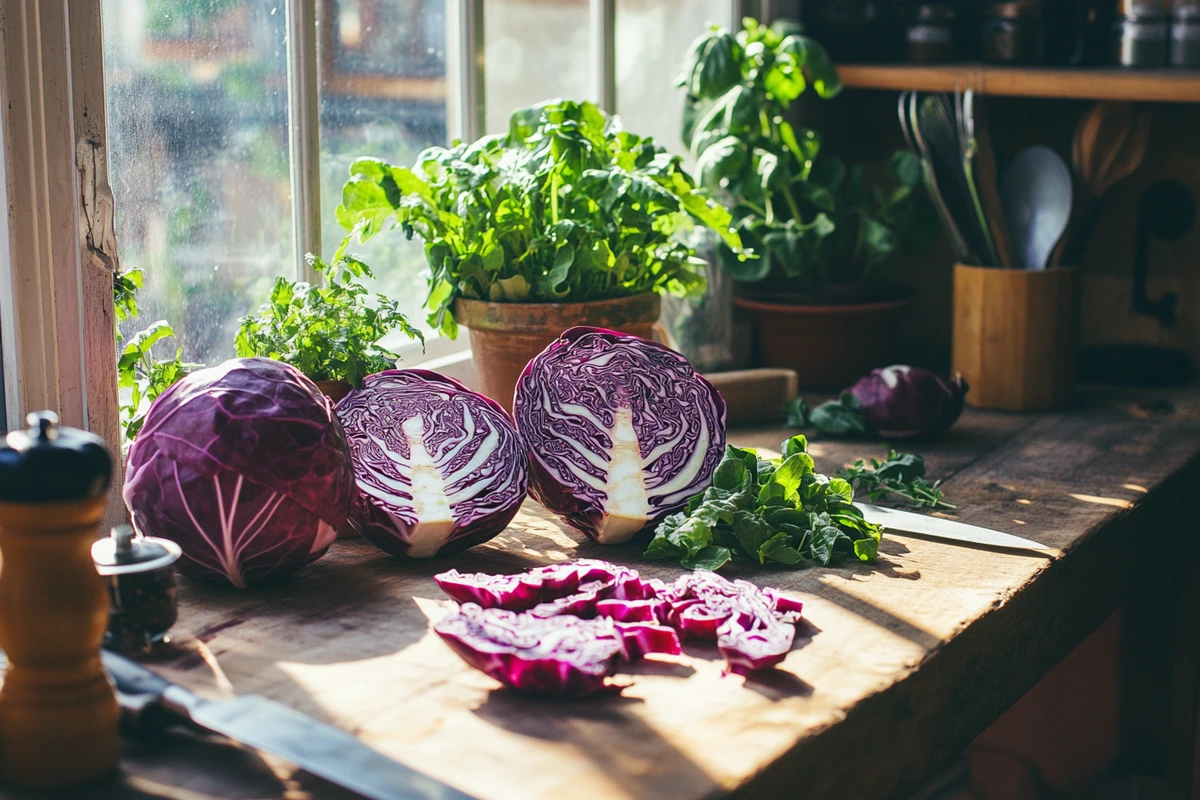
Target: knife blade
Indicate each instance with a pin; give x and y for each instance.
(149, 702)
(948, 529)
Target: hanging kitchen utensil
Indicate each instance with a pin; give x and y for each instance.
(936, 131)
(980, 164)
(907, 110)
(1036, 193)
(1166, 211)
(1113, 139)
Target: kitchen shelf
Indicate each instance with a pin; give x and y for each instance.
(1154, 85)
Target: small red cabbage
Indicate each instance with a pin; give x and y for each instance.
(901, 402)
(562, 656)
(245, 466)
(621, 431)
(439, 468)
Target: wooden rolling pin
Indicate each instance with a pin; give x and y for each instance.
(755, 396)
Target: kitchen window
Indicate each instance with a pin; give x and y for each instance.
(226, 167)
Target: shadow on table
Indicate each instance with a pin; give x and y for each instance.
(150, 771)
(610, 732)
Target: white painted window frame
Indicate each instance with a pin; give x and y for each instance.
(58, 245)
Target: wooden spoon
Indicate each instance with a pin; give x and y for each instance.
(1110, 144)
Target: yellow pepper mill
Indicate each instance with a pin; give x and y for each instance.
(58, 713)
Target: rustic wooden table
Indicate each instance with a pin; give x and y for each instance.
(898, 666)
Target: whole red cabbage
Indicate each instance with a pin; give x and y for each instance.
(900, 401)
(245, 466)
(621, 431)
(439, 468)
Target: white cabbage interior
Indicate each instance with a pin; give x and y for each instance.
(434, 492)
(627, 508)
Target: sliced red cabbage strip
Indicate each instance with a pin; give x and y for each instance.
(753, 627)
(621, 431)
(562, 656)
(439, 468)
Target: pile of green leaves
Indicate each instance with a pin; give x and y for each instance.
(779, 510)
(328, 331)
(141, 377)
(840, 417)
(806, 209)
(898, 477)
(565, 207)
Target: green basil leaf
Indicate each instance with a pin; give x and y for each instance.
(778, 549)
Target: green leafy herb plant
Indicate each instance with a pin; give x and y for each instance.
(141, 377)
(777, 511)
(899, 477)
(328, 331)
(819, 221)
(566, 207)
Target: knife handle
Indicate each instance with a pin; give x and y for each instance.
(140, 695)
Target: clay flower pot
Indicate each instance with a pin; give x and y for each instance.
(829, 346)
(335, 390)
(505, 336)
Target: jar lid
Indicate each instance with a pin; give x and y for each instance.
(935, 12)
(49, 464)
(124, 552)
(1016, 9)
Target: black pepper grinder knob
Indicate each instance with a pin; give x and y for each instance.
(52, 464)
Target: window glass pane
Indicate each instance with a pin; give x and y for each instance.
(534, 50)
(653, 37)
(197, 116)
(383, 94)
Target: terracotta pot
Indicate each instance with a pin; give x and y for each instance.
(829, 346)
(335, 390)
(505, 336)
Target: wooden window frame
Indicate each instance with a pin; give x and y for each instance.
(58, 241)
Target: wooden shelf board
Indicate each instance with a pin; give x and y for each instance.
(1156, 85)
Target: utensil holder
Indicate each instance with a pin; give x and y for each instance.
(1016, 336)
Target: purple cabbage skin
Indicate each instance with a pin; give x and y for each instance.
(562, 656)
(439, 468)
(753, 627)
(245, 466)
(621, 431)
(901, 402)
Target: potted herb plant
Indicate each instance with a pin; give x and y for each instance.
(330, 331)
(821, 298)
(565, 220)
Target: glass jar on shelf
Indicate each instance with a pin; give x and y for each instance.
(930, 33)
(1013, 33)
(1140, 33)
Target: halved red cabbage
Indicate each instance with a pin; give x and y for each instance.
(439, 468)
(561, 656)
(621, 431)
(245, 466)
(753, 627)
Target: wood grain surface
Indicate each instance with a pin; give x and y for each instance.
(898, 665)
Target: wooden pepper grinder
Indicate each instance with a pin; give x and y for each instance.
(58, 713)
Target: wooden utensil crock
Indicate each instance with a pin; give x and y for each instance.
(58, 713)
(1016, 335)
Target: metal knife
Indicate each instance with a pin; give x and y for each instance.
(150, 702)
(938, 528)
